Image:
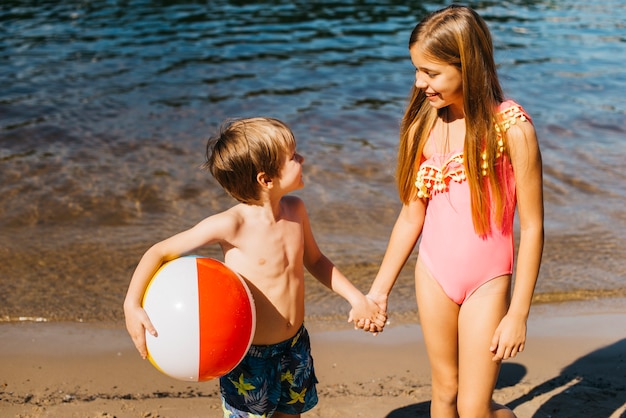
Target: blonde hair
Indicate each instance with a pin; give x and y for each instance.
(458, 36)
(243, 149)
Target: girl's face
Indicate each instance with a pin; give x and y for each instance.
(442, 83)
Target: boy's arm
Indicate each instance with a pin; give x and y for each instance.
(328, 274)
(362, 307)
(137, 322)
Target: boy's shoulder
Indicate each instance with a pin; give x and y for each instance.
(292, 200)
(233, 215)
(241, 211)
(293, 208)
(293, 203)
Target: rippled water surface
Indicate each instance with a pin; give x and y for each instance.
(106, 106)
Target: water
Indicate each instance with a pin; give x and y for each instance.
(106, 106)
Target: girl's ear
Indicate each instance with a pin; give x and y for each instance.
(264, 180)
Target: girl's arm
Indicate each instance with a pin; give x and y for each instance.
(137, 321)
(329, 275)
(404, 236)
(510, 336)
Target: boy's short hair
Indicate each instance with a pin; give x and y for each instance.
(243, 149)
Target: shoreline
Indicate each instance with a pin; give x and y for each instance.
(574, 365)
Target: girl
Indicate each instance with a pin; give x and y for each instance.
(467, 157)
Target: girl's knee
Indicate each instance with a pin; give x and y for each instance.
(446, 393)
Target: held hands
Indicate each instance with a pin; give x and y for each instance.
(509, 338)
(137, 323)
(376, 320)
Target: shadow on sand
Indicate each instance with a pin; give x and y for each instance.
(510, 375)
(592, 386)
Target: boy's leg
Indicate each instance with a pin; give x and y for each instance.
(278, 376)
(478, 319)
(438, 318)
(298, 390)
(247, 389)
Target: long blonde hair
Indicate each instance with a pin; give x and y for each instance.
(457, 35)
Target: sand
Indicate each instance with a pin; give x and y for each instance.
(574, 366)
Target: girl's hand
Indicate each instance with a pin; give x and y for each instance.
(380, 300)
(374, 325)
(509, 338)
(368, 316)
(137, 323)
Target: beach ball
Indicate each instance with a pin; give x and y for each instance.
(204, 315)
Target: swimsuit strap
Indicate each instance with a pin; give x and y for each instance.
(505, 118)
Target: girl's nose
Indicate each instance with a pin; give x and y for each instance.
(419, 82)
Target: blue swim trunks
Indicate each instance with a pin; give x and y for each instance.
(278, 377)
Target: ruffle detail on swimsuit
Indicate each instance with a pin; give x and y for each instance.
(432, 179)
(508, 117)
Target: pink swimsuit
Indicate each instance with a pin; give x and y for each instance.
(458, 258)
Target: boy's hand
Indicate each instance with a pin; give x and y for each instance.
(137, 323)
(374, 318)
(375, 325)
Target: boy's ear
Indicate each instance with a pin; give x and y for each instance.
(264, 180)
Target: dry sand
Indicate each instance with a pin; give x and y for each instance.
(574, 365)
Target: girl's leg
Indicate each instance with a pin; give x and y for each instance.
(438, 318)
(479, 316)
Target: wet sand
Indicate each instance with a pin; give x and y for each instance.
(574, 366)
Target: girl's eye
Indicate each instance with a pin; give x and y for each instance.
(429, 74)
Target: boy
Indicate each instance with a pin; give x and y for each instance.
(267, 239)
